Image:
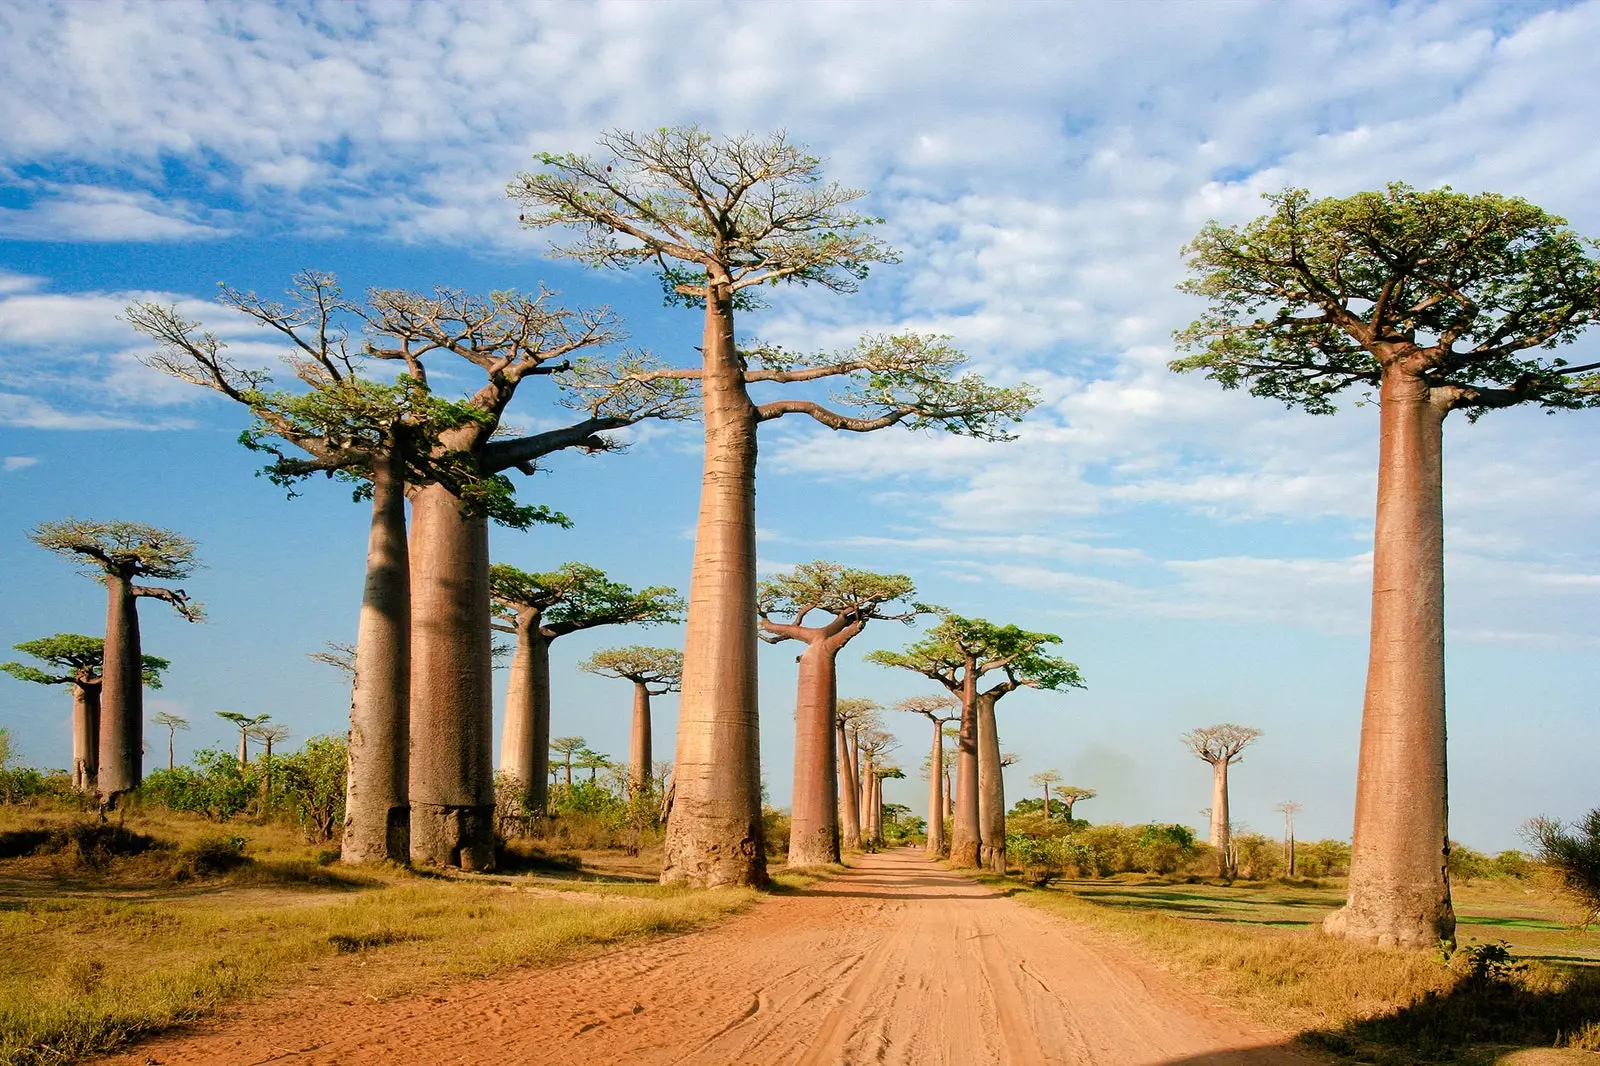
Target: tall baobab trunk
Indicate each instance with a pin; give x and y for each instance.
(86, 736)
(965, 834)
(949, 800)
(991, 789)
(377, 821)
(867, 780)
(452, 767)
(525, 739)
(1399, 887)
(935, 843)
(638, 741)
(121, 695)
(875, 790)
(714, 834)
(813, 818)
(1220, 833)
(849, 793)
(1047, 801)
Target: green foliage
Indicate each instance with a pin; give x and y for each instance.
(126, 549)
(943, 653)
(576, 596)
(1323, 858)
(1257, 857)
(837, 590)
(309, 785)
(1304, 300)
(1574, 854)
(754, 207)
(80, 656)
(659, 668)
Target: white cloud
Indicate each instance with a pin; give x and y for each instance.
(87, 213)
(18, 462)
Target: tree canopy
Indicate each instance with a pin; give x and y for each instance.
(127, 550)
(576, 596)
(851, 597)
(79, 656)
(659, 669)
(1222, 743)
(944, 652)
(1460, 290)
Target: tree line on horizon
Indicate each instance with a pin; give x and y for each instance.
(1428, 301)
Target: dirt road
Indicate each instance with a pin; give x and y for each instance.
(897, 961)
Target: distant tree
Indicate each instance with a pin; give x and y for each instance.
(173, 722)
(1044, 779)
(852, 717)
(846, 599)
(1070, 796)
(722, 219)
(568, 748)
(1221, 746)
(245, 724)
(268, 735)
(939, 710)
(75, 660)
(876, 804)
(653, 671)
(1289, 807)
(956, 653)
(1575, 857)
(1435, 301)
(117, 554)
(873, 743)
(539, 608)
(592, 761)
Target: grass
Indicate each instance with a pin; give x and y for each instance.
(1261, 946)
(101, 954)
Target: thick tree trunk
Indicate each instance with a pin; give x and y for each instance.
(1221, 835)
(1047, 801)
(949, 800)
(377, 820)
(935, 843)
(121, 696)
(877, 810)
(991, 789)
(244, 749)
(966, 835)
(1399, 887)
(813, 817)
(638, 742)
(849, 794)
(714, 834)
(525, 737)
(86, 735)
(452, 708)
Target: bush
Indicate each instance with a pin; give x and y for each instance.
(1463, 864)
(310, 785)
(1257, 857)
(92, 844)
(1575, 858)
(1325, 858)
(208, 856)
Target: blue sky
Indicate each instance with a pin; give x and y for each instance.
(1204, 555)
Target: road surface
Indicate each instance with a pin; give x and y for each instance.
(896, 961)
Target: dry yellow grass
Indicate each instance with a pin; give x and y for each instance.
(99, 957)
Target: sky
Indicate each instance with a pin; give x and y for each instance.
(1204, 555)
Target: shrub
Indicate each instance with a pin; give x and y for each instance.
(1325, 858)
(311, 785)
(207, 856)
(1257, 856)
(1464, 863)
(1575, 858)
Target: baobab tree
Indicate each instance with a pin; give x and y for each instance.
(245, 723)
(872, 742)
(719, 219)
(851, 716)
(76, 660)
(1436, 301)
(956, 653)
(427, 594)
(173, 722)
(939, 710)
(568, 748)
(592, 761)
(875, 802)
(654, 672)
(1070, 795)
(1289, 807)
(117, 554)
(847, 599)
(1044, 779)
(268, 735)
(1220, 745)
(539, 608)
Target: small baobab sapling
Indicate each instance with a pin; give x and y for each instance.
(1435, 302)
(956, 653)
(1221, 746)
(117, 554)
(539, 608)
(268, 735)
(654, 672)
(938, 710)
(847, 600)
(76, 660)
(722, 220)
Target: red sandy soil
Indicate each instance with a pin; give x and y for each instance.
(896, 961)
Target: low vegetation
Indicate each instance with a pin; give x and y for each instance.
(1260, 944)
